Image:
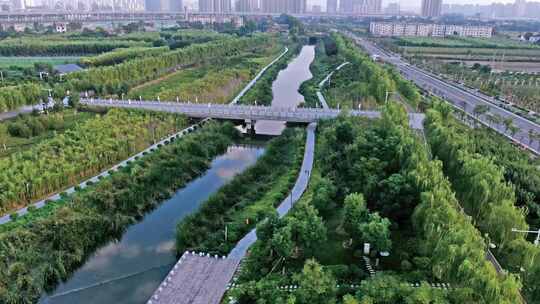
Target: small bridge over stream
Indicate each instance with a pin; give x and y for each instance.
(243, 112)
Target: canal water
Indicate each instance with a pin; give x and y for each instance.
(285, 89)
(129, 270)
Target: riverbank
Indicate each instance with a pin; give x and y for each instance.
(261, 93)
(35, 256)
(250, 197)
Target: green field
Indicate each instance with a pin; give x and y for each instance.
(207, 82)
(27, 62)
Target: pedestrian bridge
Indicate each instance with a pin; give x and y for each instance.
(243, 112)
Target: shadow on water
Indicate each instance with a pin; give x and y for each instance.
(128, 271)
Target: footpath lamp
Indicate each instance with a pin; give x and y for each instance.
(536, 241)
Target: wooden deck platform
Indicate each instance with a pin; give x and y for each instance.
(196, 278)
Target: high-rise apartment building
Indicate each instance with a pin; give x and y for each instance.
(246, 6)
(431, 8)
(215, 6)
(361, 7)
(331, 6)
(393, 9)
(520, 8)
(284, 6)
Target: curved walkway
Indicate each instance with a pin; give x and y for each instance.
(254, 80)
(300, 186)
(320, 96)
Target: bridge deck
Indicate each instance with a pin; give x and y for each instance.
(243, 112)
(196, 279)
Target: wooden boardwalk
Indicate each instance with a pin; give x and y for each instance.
(197, 278)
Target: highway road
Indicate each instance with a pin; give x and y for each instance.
(459, 96)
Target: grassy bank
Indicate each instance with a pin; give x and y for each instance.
(246, 200)
(261, 92)
(35, 256)
(326, 60)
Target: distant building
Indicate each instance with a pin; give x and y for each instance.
(396, 29)
(18, 4)
(152, 5)
(246, 6)
(431, 8)
(215, 6)
(393, 9)
(520, 7)
(316, 9)
(237, 21)
(361, 7)
(331, 6)
(284, 6)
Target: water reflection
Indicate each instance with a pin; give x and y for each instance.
(285, 89)
(129, 271)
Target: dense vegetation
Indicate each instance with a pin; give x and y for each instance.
(459, 42)
(39, 127)
(207, 82)
(120, 55)
(486, 196)
(119, 78)
(364, 81)
(90, 147)
(246, 200)
(35, 256)
(383, 166)
(12, 97)
(38, 46)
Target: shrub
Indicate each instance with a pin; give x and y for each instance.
(14, 216)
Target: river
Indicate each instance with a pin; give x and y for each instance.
(129, 270)
(285, 88)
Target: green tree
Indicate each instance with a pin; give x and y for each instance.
(377, 232)
(316, 286)
(356, 213)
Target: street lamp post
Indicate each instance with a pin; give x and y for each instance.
(387, 94)
(536, 241)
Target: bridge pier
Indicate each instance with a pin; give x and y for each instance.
(250, 126)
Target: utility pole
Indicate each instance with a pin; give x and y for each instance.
(536, 241)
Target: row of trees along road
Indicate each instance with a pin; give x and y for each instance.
(485, 195)
(391, 167)
(370, 78)
(37, 255)
(78, 153)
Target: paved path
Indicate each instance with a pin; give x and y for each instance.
(458, 96)
(40, 204)
(320, 96)
(196, 279)
(300, 186)
(254, 80)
